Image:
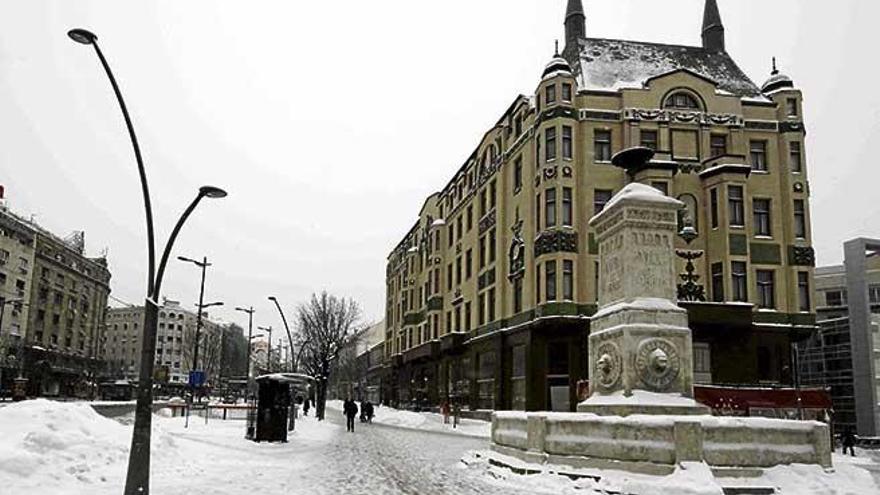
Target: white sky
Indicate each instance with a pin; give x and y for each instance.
(330, 122)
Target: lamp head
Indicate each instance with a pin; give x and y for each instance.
(273, 298)
(212, 192)
(82, 36)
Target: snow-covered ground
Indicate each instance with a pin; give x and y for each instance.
(64, 448)
(424, 421)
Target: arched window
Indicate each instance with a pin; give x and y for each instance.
(682, 100)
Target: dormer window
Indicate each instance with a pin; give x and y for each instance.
(566, 92)
(683, 101)
(551, 94)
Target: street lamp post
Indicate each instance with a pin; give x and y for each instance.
(201, 306)
(250, 313)
(286, 329)
(137, 481)
(269, 352)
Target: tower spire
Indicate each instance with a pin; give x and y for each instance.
(713, 29)
(575, 30)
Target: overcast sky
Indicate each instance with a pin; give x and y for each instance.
(330, 122)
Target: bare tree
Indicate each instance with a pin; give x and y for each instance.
(326, 323)
(210, 350)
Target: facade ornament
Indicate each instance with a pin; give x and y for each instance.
(608, 366)
(657, 363)
(567, 171)
(689, 290)
(517, 252)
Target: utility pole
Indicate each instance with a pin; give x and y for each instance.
(269, 347)
(250, 313)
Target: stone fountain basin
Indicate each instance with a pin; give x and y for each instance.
(654, 444)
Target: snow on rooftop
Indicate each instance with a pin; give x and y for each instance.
(608, 64)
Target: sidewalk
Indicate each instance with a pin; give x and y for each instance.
(424, 421)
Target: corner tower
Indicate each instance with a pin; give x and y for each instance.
(713, 29)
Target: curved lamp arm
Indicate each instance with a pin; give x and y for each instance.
(157, 286)
(145, 188)
(286, 327)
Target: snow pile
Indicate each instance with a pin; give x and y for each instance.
(55, 447)
(689, 478)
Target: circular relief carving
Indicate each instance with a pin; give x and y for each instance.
(658, 363)
(608, 365)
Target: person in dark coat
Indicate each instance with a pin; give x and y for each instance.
(306, 405)
(350, 409)
(368, 411)
(849, 442)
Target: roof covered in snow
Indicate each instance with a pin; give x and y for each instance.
(608, 64)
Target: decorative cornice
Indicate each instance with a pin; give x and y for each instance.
(556, 241)
(676, 116)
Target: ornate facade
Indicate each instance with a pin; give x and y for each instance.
(490, 293)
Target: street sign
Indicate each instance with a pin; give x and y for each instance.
(196, 378)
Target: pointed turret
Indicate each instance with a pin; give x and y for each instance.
(713, 29)
(575, 30)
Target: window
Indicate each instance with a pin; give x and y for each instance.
(835, 298)
(458, 318)
(491, 302)
(493, 195)
(714, 207)
(800, 219)
(550, 143)
(482, 203)
(517, 175)
(804, 290)
(794, 157)
(568, 280)
(682, 100)
(766, 290)
(649, 139)
(717, 282)
(566, 92)
(761, 211)
(550, 208)
(517, 295)
(702, 358)
(492, 243)
(481, 309)
(740, 287)
(450, 233)
(550, 279)
(758, 151)
(470, 217)
(567, 151)
(458, 226)
(735, 205)
(717, 145)
(448, 278)
(567, 210)
(791, 106)
(602, 146)
(551, 94)
(517, 125)
(482, 252)
(601, 197)
(874, 294)
(661, 186)
(538, 284)
(469, 262)
(538, 211)
(467, 317)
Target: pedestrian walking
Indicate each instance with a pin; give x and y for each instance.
(350, 409)
(306, 406)
(849, 442)
(368, 411)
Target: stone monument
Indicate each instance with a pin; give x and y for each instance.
(641, 415)
(640, 350)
